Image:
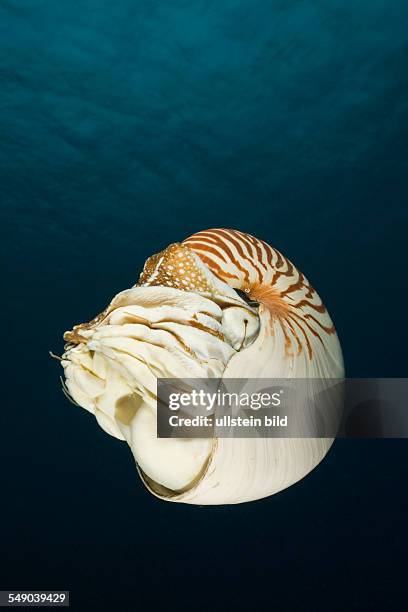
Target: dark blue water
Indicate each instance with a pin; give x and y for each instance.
(126, 126)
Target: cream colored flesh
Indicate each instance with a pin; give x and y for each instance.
(148, 334)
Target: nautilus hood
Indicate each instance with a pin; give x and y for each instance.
(220, 304)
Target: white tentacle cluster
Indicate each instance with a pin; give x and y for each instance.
(221, 304)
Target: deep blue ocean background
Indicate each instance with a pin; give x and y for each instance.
(128, 125)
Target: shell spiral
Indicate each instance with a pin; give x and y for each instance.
(267, 277)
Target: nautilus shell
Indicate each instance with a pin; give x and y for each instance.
(220, 304)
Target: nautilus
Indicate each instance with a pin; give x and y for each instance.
(220, 304)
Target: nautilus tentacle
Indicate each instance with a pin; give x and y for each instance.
(221, 304)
